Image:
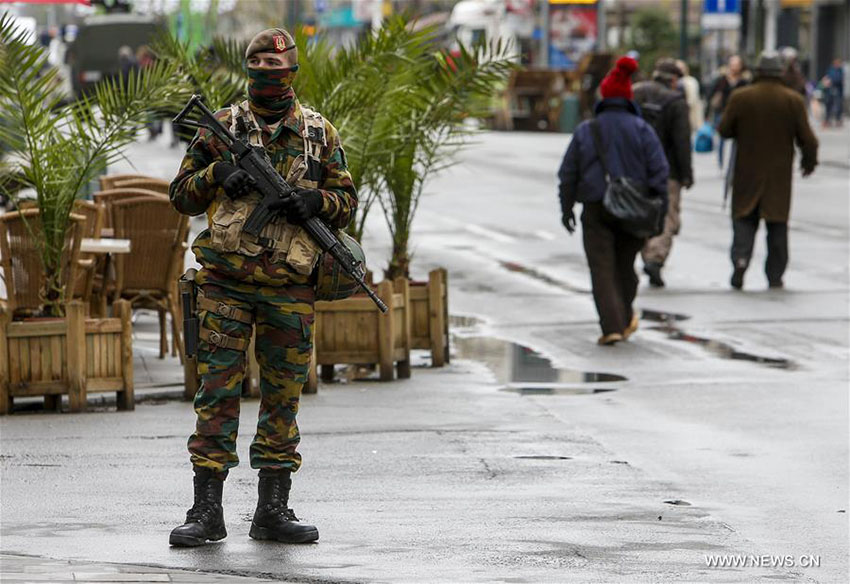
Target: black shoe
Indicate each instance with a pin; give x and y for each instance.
(776, 284)
(653, 270)
(205, 520)
(737, 280)
(273, 520)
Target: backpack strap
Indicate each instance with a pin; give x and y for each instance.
(244, 125)
(315, 140)
(600, 153)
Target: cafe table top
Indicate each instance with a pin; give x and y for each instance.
(90, 245)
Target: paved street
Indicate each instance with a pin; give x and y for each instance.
(720, 429)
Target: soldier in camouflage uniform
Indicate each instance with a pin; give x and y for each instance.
(267, 281)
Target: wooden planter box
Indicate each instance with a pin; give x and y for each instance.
(429, 316)
(74, 356)
(353, 331)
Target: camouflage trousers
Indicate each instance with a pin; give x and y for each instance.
(283, 317)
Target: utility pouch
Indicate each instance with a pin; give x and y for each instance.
(303, 253)
(188, 296)
(227, 223)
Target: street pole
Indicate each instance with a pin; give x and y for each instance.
(543, 58)
(770, 23)
(601, 27)
(683, 32)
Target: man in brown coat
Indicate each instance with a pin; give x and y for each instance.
(766, 119)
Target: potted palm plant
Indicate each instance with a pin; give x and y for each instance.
(54, 147)
(399, 105)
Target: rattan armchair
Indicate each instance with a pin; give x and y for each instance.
(147, 276)
(107, 198)
(149, 184)
(108, 181)
(91, 226)
(23, 273)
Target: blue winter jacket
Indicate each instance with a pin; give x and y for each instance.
(631, 149)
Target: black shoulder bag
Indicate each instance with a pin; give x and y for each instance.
(627, 200)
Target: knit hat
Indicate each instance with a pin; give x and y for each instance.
(618, 82)
(271, 40)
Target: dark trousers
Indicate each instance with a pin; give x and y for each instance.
(744, 236)
(611, 256)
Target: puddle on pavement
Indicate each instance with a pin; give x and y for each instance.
(537, 275)
(718, 348)
(525, 371)
(543, 457)
(658, 316)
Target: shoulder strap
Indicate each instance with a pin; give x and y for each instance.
(313, 132)
(241, 115)
(597, 142)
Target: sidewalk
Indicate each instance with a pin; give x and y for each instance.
(441, 477)
(35, 570)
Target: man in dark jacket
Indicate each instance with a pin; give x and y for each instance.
(632, 150)
(766, 119)
(666, 110)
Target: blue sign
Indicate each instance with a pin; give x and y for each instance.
(721, 14)
(721, 6)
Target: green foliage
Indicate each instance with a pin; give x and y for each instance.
(217, 74)
(654, 35)
(398, 103)
(57, 148)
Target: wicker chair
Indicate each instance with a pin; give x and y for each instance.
(91, 226)
(149, 184)
(19, 258)
(147, 276)
(107, 198)
(107, 182)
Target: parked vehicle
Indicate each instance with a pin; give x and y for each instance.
(94, 53)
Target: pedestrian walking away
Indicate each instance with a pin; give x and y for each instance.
(834, 94)
(631, 150)
(766, 119)
(266, 283)
(665, 108)
(734, 77)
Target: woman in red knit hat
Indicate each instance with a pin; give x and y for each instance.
(632, 150)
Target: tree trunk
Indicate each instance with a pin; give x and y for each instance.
(52, 294)
(399, 262)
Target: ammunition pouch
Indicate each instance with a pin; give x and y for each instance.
(286, 241)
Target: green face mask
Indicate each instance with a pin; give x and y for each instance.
(270, 92)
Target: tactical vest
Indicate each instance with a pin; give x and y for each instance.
(285, 240)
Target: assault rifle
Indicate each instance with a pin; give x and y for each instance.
(275, 190)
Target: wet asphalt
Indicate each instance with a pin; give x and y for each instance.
(726, 436)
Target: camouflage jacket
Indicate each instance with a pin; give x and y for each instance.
(194, 191)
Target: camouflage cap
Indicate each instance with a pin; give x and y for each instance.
(271, 40)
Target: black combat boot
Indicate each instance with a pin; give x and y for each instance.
(273, 519)
(205, 520)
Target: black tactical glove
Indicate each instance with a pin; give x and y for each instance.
(569, 221)
(235, 181)
(303, 204)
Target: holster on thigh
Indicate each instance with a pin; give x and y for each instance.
(223, 310)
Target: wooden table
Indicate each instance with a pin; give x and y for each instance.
(104, 246)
